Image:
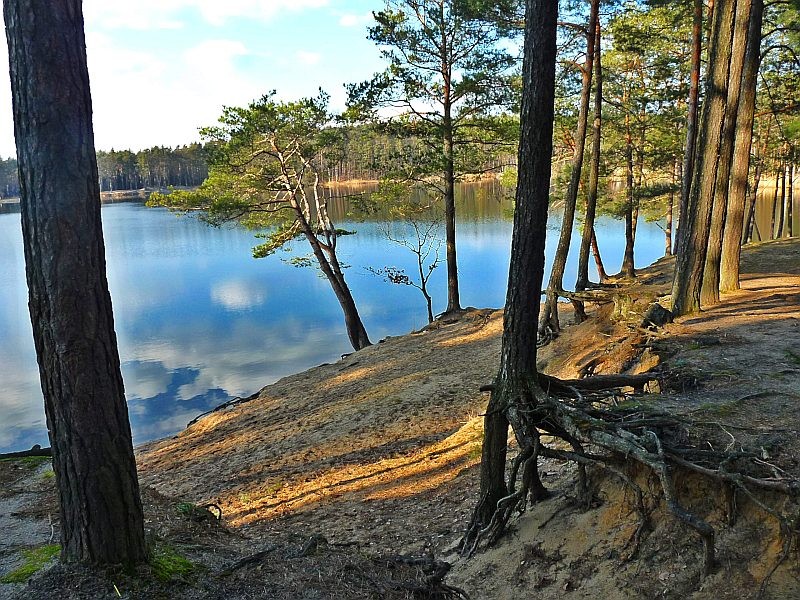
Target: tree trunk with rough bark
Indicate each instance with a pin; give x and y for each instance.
(709, 294)
(588, 235)
(549, 322)
(628, 269)
(70, 307)
(740, 171)
(691, 120)
(516, 385)
(691, 258)
(453, 297)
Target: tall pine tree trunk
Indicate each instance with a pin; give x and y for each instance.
(628, 268)
(773, 215)
(670, 204)
(709, 293)
(691, 119)
(588, 234)
(453, 296)
(740, 170)
(70, 307)
(598, 260)
(549, 319)
(516, 383)
(690, 262)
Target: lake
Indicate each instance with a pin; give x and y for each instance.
(199, 321)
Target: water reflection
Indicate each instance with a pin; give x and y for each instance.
(199, 321)
(767, 214)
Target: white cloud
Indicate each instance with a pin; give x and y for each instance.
(352, 20)
(141, 99)
(308, 58)
(237, 295)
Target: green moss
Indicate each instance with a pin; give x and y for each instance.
(35, 559)
(167, 563)
(185, 508)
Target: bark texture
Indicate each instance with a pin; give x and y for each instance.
(588, 237)
(549, 320)
(516, 385)
(691, 255)
(709, 293)
(87, 418)
(691, 118)
(737, 201)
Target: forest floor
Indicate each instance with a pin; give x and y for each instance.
(331, 479)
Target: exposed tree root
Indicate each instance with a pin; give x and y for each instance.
(580, 412)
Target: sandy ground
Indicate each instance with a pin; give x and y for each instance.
(378, 453)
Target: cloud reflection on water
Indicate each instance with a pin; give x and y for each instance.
(200, 321)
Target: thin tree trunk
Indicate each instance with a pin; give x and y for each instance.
(691, 259)
(587, 236)
(628, 269)
(670, 203)
(516, 384)
(790, 202)
(690, 147)
(750, 216)
(598, 260)
(773, 218)
(453, 298)
(70, 307)
(549, 318)
(782, 204)
(709, 293)
(740, 171)
(329, 265)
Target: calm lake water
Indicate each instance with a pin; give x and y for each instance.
(200, 321)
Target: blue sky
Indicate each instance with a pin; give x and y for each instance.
(160, 69)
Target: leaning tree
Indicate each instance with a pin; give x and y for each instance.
(70, 307)
(264, 165)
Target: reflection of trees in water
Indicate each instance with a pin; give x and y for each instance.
(477, 202)
(764, 216)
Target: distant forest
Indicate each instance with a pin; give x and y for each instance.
(359, 152)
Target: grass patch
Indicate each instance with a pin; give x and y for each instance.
(475, 451)
(35, 559)
(31, 461)
(168, 564)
